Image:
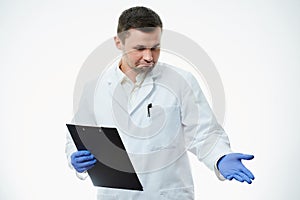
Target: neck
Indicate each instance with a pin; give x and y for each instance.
(131, 74)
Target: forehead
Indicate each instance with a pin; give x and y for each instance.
(139, 37)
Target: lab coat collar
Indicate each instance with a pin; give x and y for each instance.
(117, 75)
(114, 82)
(145, 89)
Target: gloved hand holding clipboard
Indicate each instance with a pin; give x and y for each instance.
(113, 167)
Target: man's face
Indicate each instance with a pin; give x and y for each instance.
(140, 50)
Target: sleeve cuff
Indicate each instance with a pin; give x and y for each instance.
(81, 176)
(217, 172)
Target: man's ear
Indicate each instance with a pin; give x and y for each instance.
(118, 42)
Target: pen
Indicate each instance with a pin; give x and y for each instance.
(148, 108)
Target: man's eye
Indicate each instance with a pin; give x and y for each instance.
(154, 48)
(140, 48)
(144, 48)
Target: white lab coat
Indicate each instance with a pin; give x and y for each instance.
(160, 159)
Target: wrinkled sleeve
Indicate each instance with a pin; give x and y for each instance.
(204, 137)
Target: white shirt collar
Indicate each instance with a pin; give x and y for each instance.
(120, 76)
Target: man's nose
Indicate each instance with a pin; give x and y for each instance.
(147, 55)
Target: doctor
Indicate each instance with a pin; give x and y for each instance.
(160, 113)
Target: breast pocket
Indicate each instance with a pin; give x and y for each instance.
(173, 117)
(169, 120)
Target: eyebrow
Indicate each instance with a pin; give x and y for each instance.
(142, 46)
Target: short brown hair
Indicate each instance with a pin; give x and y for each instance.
(138, 17)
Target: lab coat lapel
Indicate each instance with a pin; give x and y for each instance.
(143, 93)
(118, 94)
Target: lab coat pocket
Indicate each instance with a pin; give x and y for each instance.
(186, 193)
(171, 128)
(173, 118)
(167, 136)
(106, 196)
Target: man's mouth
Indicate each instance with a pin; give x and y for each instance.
(145, 65)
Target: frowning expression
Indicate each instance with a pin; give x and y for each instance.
(140, 49)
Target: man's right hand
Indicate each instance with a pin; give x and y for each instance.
(83, 160)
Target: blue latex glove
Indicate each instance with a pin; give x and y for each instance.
(231, 167)
(83, 160)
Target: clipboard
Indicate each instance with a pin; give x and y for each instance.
(113, 168)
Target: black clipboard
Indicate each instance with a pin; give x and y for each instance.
(113, 168)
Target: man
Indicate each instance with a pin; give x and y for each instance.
(160, 113)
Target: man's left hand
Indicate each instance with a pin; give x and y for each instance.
(231, 167)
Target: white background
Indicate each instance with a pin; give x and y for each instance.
(255, 46)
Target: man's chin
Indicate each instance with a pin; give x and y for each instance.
(143, 68)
